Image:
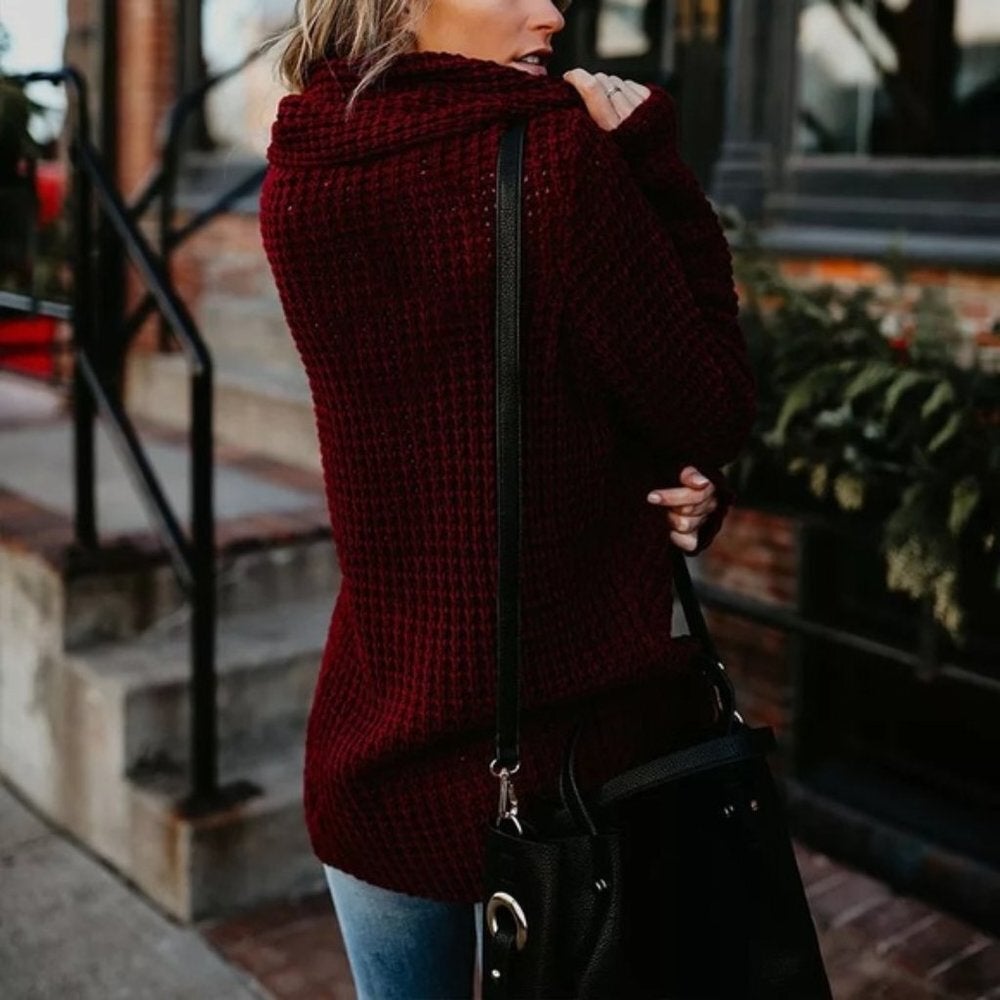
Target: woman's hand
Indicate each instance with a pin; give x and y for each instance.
(687, 506)
(607, 109)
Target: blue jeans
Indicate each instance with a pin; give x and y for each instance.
(405, 947)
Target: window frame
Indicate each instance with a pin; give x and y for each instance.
(932, 210)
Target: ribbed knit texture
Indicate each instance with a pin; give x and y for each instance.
(380, 233)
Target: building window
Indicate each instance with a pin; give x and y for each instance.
(899, 78)
(678, 44)
(866, 127)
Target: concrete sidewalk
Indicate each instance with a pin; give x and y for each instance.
(71, 928)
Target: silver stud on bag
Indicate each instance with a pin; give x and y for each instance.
(728, 811)
(755, 805)
(600, 885)
(495, 973)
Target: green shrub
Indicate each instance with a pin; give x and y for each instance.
(874, 407)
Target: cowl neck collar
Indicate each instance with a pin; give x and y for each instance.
(422, 96)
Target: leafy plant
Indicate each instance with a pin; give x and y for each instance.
(876, 407)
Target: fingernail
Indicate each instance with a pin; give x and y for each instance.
(653, 498)
(699, 480)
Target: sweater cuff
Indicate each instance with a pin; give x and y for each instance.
(648, 137)
(725, 497)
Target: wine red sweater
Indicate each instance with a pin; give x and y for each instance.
(379, 230)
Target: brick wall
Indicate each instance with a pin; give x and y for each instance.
(146, 73)
(756, 555)
(226, 256)
(975, 297)
(82, 37)
(146, 62)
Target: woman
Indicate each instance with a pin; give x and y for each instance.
(378, 220)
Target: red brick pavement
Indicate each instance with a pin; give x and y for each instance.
(877, 945)
(294, 949)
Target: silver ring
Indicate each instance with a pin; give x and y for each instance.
(612, 90)
(511, 771)
(504, 901)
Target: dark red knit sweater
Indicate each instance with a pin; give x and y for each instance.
(379, 230)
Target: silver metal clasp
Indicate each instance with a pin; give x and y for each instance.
(507, 808)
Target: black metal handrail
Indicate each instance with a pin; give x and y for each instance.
(166, 173)
(192, 555)
(162, 185)
(794, 622)
(18, 302)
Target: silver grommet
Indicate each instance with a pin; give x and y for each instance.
(504, 901)
(754, 805)
(728, 811)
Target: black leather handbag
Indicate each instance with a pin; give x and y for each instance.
(675, 879)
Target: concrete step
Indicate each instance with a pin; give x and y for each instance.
(245, 330)
(272, 528)
(109, 602)
(265, 408)
(94, 667)
(266, 667)
(230, 860)
(252, 850)
(97, 742)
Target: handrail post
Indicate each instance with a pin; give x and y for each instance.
(84, 410)
(109, 345)
(96, 390)
(165, 217)
(204, 729)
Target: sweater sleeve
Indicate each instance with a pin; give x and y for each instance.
(648, 139)
(660, 343)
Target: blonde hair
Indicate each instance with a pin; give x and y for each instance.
(370, 32)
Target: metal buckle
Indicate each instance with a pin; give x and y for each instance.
(505, 901)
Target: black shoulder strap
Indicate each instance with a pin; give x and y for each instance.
(508, 444)
(508, 465)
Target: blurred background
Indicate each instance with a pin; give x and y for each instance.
(166, 568)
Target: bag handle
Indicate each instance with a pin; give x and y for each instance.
(509, 487)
